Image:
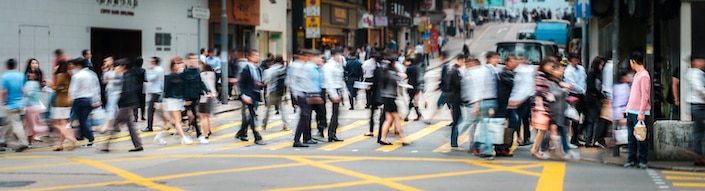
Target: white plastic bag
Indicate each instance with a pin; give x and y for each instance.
(490, 130)
(572, 113)
(640, 131)
(621, 135)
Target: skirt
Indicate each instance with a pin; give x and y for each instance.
(389, 105)
(60, 112)
(173, 104)
(206, 107)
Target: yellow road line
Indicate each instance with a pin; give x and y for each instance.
(39, 166)
(211, 139)
(349, 141)
(413, 137)
(347, 172)
(474, 42)
(134, 178)
(461, 173)
(264, 138)
(688, 184)
(552, 177)
(462, 139)
(286, 143)
(684, 178)
(684, 173)
(504, 168)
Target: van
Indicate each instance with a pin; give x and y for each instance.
(532, 50)
(553, 30)
(526, 35)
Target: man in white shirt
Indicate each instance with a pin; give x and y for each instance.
(696, 79)
(85, 92)
(368, 70)
(154, 87)
(334, 85)
(576, 76)
(204, 55)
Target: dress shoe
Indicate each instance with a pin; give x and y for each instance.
(242, 138)
(334, 139)
(22, 148)
(310, 142)
(260, 142)
(299, 144)
(147, 130)
(369, 134)
(105, 150)
(136, 149)
(504, 154)
(405, 143)
(474, 151)
(406, 119)
(351, 108)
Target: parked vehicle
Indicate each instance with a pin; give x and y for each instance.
(526, 35)
(532, 50)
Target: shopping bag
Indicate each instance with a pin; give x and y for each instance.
(572, 113)
(640, 131)
(621, 135)
(490, 130)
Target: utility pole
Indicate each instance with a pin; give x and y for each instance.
(223, 53)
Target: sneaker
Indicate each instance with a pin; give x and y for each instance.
(542, 155)
(88, 145)
(643, 166)
(159, 138)
(487, 157)
(572, 146)
(629, 165)
(572, 155)
(186, 140)
(202, 140)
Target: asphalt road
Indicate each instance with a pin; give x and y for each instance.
(358, 163)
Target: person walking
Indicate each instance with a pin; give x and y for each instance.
(206, 102)
(33, 106)
(388, 92)
(638, 110)
(85, 92)
(594, 96)
(12, 83)
(334, 85)
(154, 87)
(193, 89)
(353, 73)
(140, 72)
(519, 104)
(576, 76)
(250, 85)
(305, 81)
(62, 106)
(442, 86)
(275, 77)
(173, 102)
(696, 79)
(130, 90)
(413, 74)
(452, 92)
(113, 84)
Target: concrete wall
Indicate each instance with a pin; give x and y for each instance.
(672, 140)
(67, 25)
(273, 19)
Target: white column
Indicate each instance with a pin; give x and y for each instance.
(594, 39)
(686, 49)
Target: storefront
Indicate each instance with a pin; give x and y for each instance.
(338, 21)
(243, 17)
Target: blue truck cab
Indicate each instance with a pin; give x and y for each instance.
(556, 31)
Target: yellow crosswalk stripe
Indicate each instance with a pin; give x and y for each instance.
(462, 139)
(349, 141)
(683, 173)
(211, 139)
(684, 178)
(340, 129)
(688, 184)
(415, 136)
(264, 138)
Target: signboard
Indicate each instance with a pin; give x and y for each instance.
(312, 11)
(339, 15)
(200, 13)
(313, 22)
(366, 21)
(582, 9)
(313, 3)
(401, 22)
(448, 14)
(381, 21)
(313, 33)
(246, 12)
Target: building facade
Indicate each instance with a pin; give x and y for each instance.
(35, 28)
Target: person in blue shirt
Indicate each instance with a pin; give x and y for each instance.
(12, 83)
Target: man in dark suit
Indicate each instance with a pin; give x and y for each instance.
(140, 75)
(353, 73)
(250, 85)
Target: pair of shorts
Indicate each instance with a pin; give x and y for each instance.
(60, 112)
(172, 104)
(390, 105)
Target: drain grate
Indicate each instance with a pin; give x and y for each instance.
(16, 183)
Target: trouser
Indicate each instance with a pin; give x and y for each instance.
(369, 94)
(248, 120)
(456, 113)
(82, 109)
(320, 109)
(412, 94)
(143, 98)
(575, 125)
(304, 125)
(123, 117)
(333, 128)
(275, 103)
(563, 134)
(194, 110)
(13, 124)
(485, 146)
(467, 121)
(592, 117)
(698, 127)
(638, 150)
(350, 82)
(153, 99)
(519, 118)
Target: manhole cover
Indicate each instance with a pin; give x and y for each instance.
(15, 183)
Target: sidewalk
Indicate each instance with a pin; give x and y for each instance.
(604, 156)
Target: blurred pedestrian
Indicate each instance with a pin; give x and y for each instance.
(696, 79)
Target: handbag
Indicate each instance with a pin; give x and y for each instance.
(540, 119)
(314, 98)
(621, 135)
(572, 113)
(490, 130)
(401, 101)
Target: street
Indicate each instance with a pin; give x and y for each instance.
(357, 163)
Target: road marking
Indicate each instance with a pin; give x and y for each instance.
(474, 42)
(552, 177)
(39, 166)
(349, 141)
(463, 138)
(347, 172)
(683, 173)
(264, 138)
(340, 129)
(501, 30)
(134, 178)
(688, 184)
(210, 139)
(684, 178)
(413, 137)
